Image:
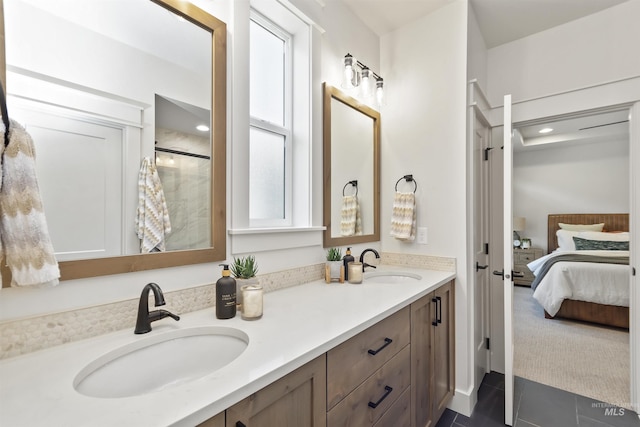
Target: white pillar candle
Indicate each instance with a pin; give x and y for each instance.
(252, 302)
(355, 272)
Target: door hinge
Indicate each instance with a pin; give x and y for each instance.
(487, 343)
(633, 271)
(486, 152)
(486, 249)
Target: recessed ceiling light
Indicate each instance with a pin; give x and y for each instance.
(203, 128)
(545, 130)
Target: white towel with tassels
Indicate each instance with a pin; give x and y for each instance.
(25, 243)
(351, 222)
(403, 217)
(152, 219)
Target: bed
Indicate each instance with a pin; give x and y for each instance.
(595, 291)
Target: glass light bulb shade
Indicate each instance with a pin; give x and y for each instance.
(349, 72)
(380, 92)
(347, 79)
(365, 82)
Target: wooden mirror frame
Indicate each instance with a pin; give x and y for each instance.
(330, 93)
(129, 263)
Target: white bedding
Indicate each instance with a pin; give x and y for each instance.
(583, 281)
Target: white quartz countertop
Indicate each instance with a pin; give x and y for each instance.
(299, 324)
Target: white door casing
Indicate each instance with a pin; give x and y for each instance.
(480, 238)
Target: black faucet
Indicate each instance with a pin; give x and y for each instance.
(364, 264)
(143, 325)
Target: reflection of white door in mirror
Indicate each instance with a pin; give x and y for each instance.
(84, 216)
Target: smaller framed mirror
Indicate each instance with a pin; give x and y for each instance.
(351, 170)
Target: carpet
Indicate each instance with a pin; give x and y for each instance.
(582, 358)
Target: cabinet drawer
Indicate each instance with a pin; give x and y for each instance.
(383, 388)
(399, 415)
(350, 363)
(524, 258)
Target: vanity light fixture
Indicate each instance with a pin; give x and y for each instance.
(545, 130)
(358, 76)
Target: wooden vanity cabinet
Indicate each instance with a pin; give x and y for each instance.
(432, 355)
(403, 365)
(296, 400)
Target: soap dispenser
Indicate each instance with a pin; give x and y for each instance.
(346, 259)
(226, 295)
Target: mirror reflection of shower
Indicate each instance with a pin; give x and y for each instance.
(183, 159)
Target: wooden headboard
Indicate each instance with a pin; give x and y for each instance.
(612, 222)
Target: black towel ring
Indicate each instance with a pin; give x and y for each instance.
(408, 178)
(354, 183)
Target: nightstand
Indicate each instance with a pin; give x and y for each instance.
(521, 257)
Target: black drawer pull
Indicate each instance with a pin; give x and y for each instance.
(387, 341)
(387, 391)
(435, 318)
(439, 306)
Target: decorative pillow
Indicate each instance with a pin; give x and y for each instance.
(566, 243)
(622, 236)
(581, 227)
(599, 245)
(565, 240)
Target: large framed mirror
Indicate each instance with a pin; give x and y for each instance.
(101, 87)
(351, 170)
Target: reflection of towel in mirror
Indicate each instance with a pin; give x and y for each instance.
(403, 218)
(152, 220)
(24, 235)
(351, 222)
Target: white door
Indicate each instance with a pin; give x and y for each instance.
(496, 251)
(480, 239)
(507, 264)
(68, 147)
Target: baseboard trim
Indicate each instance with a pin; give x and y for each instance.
(463, 401)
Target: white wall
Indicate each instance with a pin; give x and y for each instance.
(586, 178)
(423, 133)
(589, 51)
(476, 52)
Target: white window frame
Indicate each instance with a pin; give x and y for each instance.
(306, 133)
(284, 130)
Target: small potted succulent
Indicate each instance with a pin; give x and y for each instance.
(244, 270)
(334, 267)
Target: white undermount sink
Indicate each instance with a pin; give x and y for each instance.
(161, 361)
(391, 277)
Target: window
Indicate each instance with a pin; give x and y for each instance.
(270, 134)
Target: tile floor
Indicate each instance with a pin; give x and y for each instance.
(538, 405)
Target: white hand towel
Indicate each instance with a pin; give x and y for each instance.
(152, 219)
(403, 217)
(351, 222)
(24, 235)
